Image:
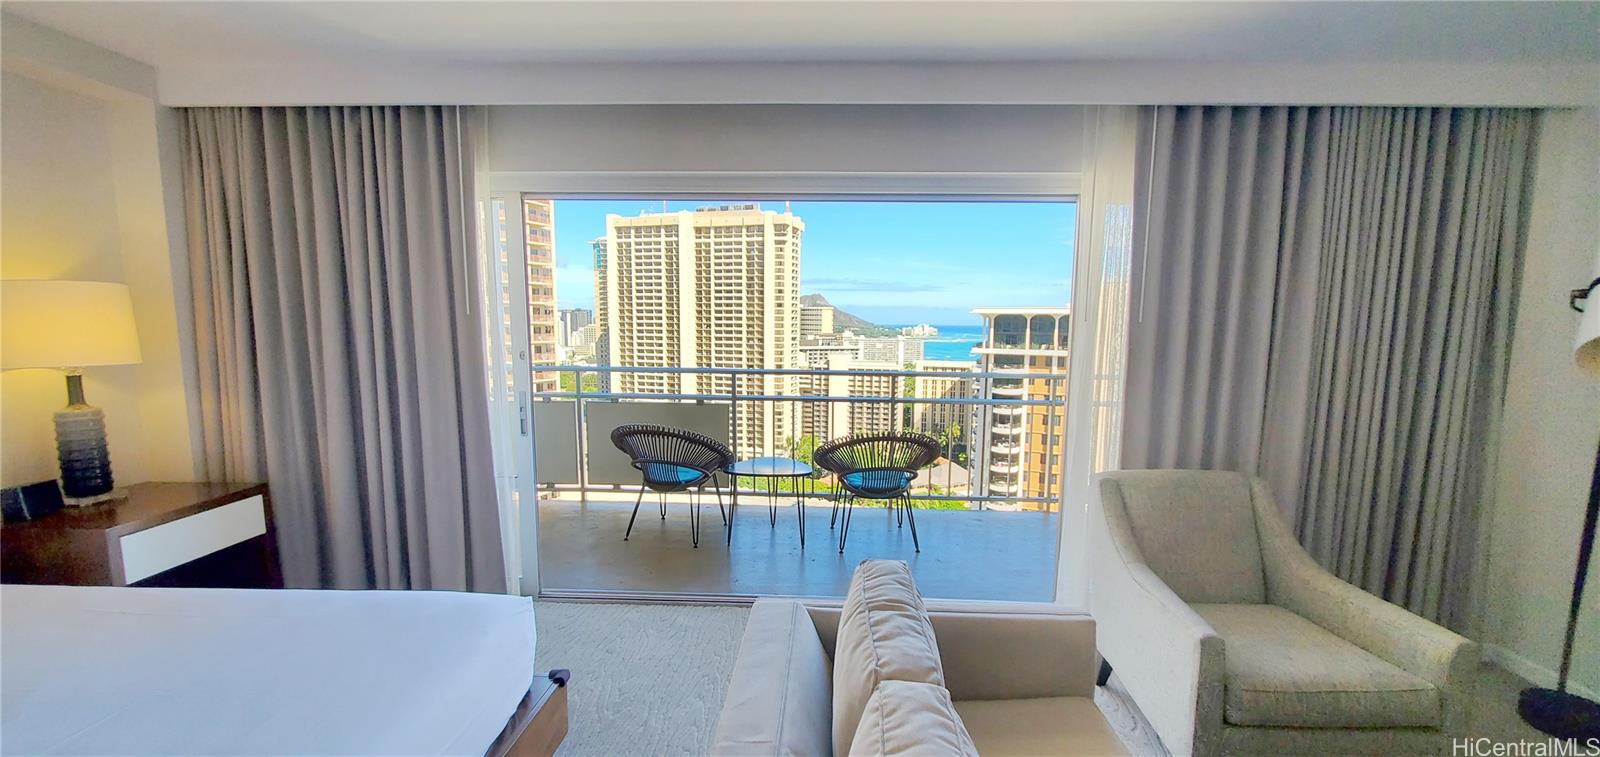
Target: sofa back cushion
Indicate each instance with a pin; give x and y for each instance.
(1196, 530)
(884, 635)
(902, 717)
(779, 702)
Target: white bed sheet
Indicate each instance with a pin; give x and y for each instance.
(93, 670)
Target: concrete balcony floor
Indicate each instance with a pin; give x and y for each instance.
(966, 554)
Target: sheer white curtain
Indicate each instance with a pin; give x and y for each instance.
(1099, 323)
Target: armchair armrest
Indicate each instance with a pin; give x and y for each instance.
(1168, 657)
(1414, 644)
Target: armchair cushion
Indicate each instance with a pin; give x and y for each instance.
(1195, 529)
(884, 635)
(1284, 670)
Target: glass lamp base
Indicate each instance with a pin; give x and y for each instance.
(82, 449)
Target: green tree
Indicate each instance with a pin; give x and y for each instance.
(802, 449)
(591, 381)
(908, 389)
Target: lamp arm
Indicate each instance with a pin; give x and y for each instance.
(1582, 294)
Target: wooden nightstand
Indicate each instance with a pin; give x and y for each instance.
(162, 534)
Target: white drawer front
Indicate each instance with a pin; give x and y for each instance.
(148, 552)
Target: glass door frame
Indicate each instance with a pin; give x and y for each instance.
(1070, 577)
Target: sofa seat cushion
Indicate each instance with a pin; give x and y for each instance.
(1054, 725)
(1284, 670)
(884, 635)
(902, 717)
(779, 702)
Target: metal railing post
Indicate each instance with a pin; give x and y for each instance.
(733, 435)
(978, 427)
(577, 415)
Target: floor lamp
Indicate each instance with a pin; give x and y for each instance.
(1557, 711)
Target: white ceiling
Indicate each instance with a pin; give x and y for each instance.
(177, 37)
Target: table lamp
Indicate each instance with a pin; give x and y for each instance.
(1556, 711)
(71, 325)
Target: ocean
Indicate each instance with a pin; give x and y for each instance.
(952, 343)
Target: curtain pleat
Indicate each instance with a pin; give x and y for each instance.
(1326, 302)
(339, 359)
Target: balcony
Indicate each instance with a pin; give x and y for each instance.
(980, 539)
(1004, 468)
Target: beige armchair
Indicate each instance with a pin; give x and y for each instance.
(1232, 640)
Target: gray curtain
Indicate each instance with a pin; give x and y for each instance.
(338, 355)
(1325, 300)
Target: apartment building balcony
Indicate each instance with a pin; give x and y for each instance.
(1004, 487)
(1008, 391)
(981, 537)
(1007, 431)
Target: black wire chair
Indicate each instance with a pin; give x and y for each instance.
(673, 460)
(876, 466)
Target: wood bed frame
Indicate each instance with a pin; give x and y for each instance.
(539, 723)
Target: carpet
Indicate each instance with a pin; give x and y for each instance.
(646, 679)
(649, 679)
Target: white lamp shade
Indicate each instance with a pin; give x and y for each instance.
(1586, 350)
(66, 324)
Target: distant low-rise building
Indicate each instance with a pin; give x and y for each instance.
(900, 350)
(935, 419)
(815, 320)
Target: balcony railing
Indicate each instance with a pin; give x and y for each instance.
(763, 412)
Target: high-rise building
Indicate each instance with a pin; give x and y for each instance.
(1022, 444)
(827, 420)
(816, 319)
(602, 340)
(935, 419)
(571, 320)
(538, 220)
(716, 287)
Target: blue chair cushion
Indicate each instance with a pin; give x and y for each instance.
(666, 474)
(878, 482)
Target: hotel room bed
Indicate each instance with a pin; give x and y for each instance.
(96, 670)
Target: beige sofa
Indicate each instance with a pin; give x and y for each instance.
(1232, 640)
(1020, 678)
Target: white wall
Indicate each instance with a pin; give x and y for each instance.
(786, 138)
(82, 197)
(323, 82)
(1552, 423)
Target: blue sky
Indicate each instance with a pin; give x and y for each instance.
(888, 262)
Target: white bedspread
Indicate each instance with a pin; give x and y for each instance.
(89, 670)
